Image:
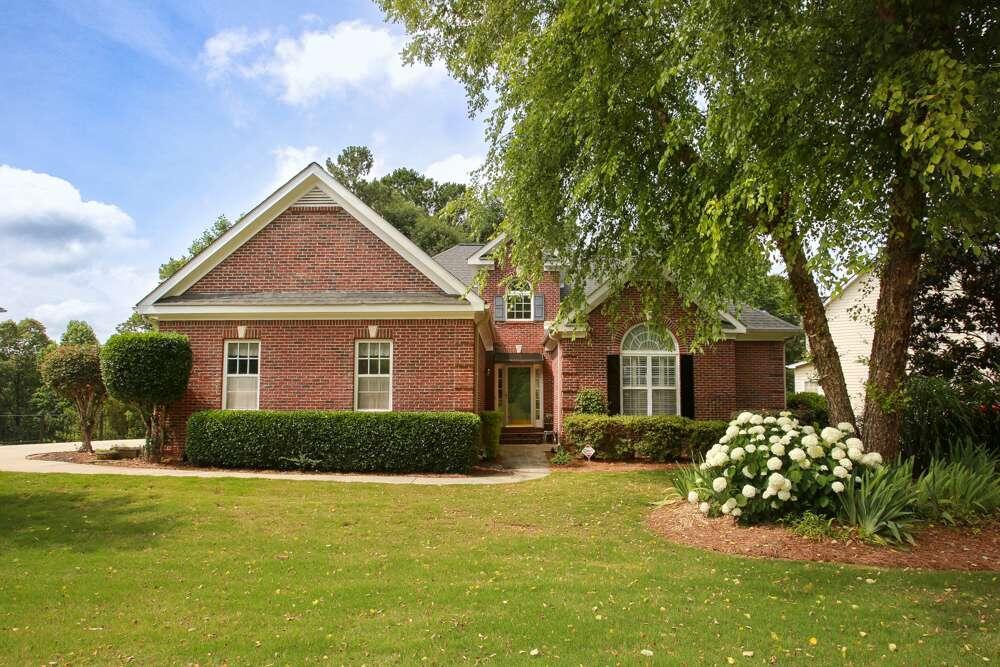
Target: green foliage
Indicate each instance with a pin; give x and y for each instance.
(21, 343)
(72, 369)
(962, 488)
(409, 201)
(935, 415)
(171, 266)
(809, 407)
(814, 526)
(396, 442)
(687, 478)
(622, 438)
(591, 402)
(134, 324)
(147, 369)
(492, 421)
(881, 506)
(561, 457)
(78, 332)
(955, 310)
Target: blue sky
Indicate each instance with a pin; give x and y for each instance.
(128, 127)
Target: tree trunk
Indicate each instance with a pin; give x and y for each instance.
(899, 280)
(821, 345)
(84, 405)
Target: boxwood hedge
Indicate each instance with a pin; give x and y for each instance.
(398, 442)
(492, 425)
(622, 438)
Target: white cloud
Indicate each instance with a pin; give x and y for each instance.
(351, 55)
(46, 225)
(65, 257)
(456, 167)
(222, 49)
(290, 160)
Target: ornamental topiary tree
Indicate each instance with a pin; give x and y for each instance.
(74, 372)
(149, 370)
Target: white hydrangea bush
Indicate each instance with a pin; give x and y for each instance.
(765, 467)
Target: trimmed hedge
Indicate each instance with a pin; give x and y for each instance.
(398, 442)
(809, 407)
(622, 438)
(492, 425)
(591, 402)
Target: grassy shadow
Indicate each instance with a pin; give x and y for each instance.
(78, 521)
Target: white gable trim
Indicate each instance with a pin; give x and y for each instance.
(310, 178)
(481, 258)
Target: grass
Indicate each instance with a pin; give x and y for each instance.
(101, 569)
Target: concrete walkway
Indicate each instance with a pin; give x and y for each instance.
(520, 462)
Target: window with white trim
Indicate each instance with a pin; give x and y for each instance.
(241, 379)
(373, 379)
(519, 301)
(649, 373)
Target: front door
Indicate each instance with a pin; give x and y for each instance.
(519, 396)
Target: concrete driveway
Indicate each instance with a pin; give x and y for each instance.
(520, 462)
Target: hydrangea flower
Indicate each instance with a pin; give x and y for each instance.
(774, 463)
(784, 495)
(692, 496)
(704, 507)
(846, 427)
(719, 484)
(837, 487)
(854, 454)
(810, 440)
(838, 453)
(797, 454)
(778, 449)
(737, 454)
(854, 442)
(749, 491)
(814, 451)
(737, 511)
(808, 429)
(831, 434)
(840, 471)
(756, 419)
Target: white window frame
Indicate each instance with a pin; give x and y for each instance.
(225, 369)
(529, 293)
(357, 376)
(648, 356)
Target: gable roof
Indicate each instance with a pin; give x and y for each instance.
(456, 261)
(313, 186)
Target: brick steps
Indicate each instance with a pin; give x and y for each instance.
(521, 436)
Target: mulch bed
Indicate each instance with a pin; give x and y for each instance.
(938, 547)
(91, 459)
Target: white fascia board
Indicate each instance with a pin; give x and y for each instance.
(410, 311)
(798, 364)
(601, 293)
(281, 199)
(480, 258)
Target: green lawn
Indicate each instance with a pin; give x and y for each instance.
(103, 569)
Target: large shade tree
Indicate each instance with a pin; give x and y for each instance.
(73, 371)
(689, 139)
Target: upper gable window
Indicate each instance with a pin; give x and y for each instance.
(519, 301)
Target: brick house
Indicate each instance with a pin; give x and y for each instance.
(313, 301)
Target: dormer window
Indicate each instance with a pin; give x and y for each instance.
(519, 301)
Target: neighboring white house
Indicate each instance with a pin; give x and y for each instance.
(850, 314)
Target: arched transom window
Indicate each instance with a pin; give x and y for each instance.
(650, 371)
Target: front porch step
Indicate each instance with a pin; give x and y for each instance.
(521, 436)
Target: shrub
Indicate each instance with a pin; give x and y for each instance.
(766, 467)
(880, 506)
(74, 372)
(398, 442)
(492, 425)
(937, 413)
(809, 407)
(814, 526)
(623, 438)
(561, 458)
(591, 402)
(962, 488)
(148, 370)
(686, 479)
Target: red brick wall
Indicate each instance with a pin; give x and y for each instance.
(314, 249)
(760, 374)
(728, 375)
(530, 335)
(309, 364)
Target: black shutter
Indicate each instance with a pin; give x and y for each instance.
(687, 386)
(539, 307)
(499, 309)
(614, 385)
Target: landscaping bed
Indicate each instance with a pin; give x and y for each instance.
(937, 547)
(89, 458)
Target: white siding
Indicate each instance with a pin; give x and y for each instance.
(850, 317)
